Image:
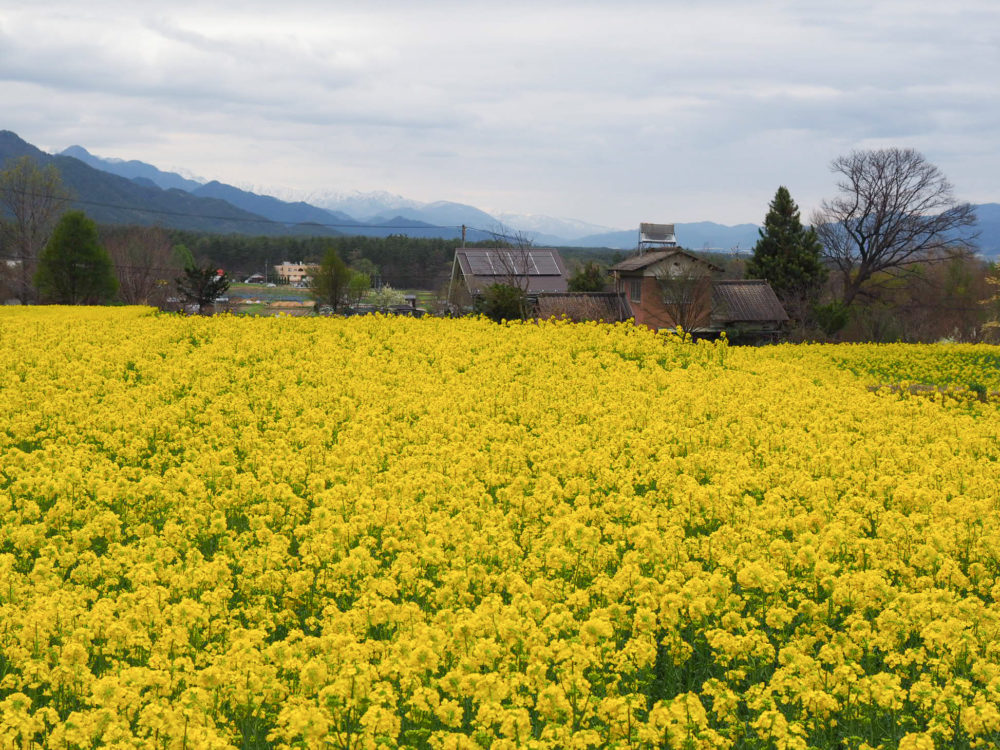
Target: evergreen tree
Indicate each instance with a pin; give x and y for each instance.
(787, 256)
(74, 269)
(500, 302)
(589, 277)
(202, 286)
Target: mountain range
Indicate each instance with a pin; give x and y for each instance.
(114, 191)
(349, 210)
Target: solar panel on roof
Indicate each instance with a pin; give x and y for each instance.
(513, 263)
(480, 264)
(505, 262)
(521, 262)
(545, 264)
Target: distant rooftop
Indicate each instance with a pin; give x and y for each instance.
(541, 267)
(638, 262)
(746, 300)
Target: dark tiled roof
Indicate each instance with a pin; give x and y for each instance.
(641, 261)
(638, 262)
(607, 306)
(749, 300)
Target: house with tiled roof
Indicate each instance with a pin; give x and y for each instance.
(665, 286)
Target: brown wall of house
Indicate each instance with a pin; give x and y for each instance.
(650, 310)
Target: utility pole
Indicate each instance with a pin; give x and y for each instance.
(451, 280)
(463, 235)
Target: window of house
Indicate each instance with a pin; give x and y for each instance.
(635, 290)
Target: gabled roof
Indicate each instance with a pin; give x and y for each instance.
(539, 269)
(639, 262)
(746, 300)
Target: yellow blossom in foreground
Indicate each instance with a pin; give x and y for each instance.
(377, 532)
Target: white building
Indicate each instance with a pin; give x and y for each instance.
(292, 273)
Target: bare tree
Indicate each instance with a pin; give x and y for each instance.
(514, 258)
(144, 262)
(33, 197)
(894, 209)
(514, 261)
(687, 295)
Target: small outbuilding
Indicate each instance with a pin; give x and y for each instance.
(746, 308)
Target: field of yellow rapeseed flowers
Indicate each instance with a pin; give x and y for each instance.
(352, 533)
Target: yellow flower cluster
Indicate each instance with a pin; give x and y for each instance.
(376, 532)
(964, 366)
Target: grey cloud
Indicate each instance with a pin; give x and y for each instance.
(650, 108)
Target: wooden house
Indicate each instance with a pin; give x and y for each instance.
(670, 287)
(746, 308)
(666, 288)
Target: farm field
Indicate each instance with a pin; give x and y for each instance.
(260, 299)
(389, 532)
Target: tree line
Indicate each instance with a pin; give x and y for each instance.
(398, 260)
(33, 198)
(889, 257)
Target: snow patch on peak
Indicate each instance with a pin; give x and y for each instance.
(569, 229)
(360, 205)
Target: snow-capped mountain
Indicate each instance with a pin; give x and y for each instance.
(360, 205)
(380, 212)
(569, 229)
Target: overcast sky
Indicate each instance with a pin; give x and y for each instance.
(610, 112)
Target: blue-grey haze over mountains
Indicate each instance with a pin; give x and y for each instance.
(134, 192)
(342, 211)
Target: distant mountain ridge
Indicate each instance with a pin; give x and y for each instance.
(112, 199)
(271, 208)
(362, 206)
(132, 170)
(441, 219)
(988, 226)
(116, 191)
(378, 210)
(698, 235)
